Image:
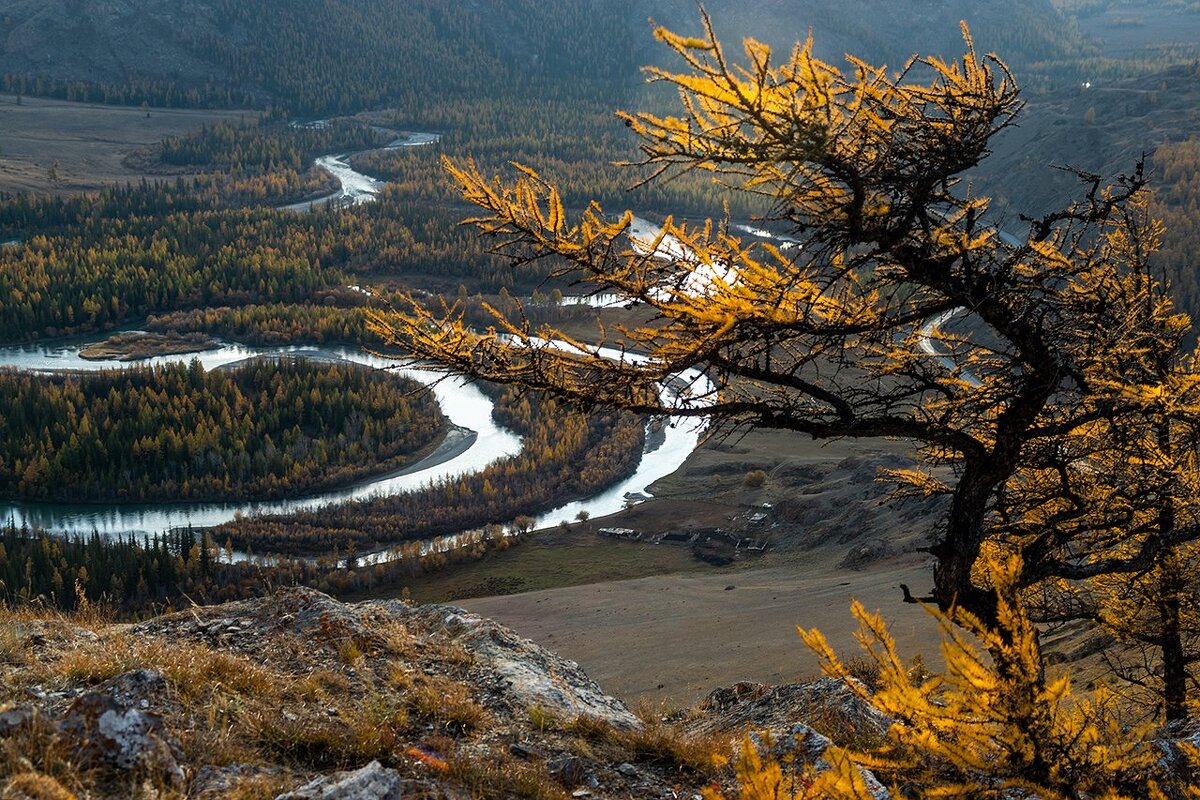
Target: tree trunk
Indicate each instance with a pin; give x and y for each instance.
(1170, 592)
(957, 552)
(1175, 672)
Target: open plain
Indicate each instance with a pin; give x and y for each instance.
(92, 145)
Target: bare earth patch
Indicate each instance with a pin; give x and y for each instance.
(675, 637)
(672, 637)
(136, 346)
(94, 145)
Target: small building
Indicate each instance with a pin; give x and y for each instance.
(621, 533)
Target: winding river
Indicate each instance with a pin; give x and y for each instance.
(473, 442)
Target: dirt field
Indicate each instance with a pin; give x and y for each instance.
(675, 638)
(92, 144)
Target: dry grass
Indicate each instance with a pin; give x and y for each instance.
(193, 670)
(865, 670)
(322, 683)
(449, 703)
(656, 741)
(543, 719)
(591, 728)
(260, 787)
(37, 759)
(405, 700)
(35, 786)
(12, 646)
(500, 778)
(663, 744)
(349, 652)
(310, 741)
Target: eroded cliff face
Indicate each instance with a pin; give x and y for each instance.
(297, 695)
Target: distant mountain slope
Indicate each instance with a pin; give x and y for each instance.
(1023, 32)
(313, 56)
(337, 56)
(1103, 128)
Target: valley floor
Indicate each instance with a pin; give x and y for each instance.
(670, 629)
(673, 638)
(93, 145)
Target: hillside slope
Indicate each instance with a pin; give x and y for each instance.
(298, 696)
(318, 57)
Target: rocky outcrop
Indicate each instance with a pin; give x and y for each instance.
(524, 673)
(301, 697)
(756, 707)
(110, 729)
(780, 720)
(531, 674)
(372, 782)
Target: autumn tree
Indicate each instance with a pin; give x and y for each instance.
(989, 726)
(849, 335)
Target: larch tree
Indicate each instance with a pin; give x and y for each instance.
(903, 312)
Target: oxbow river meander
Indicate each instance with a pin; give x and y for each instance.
(474, 442)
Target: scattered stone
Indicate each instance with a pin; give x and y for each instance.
(521, 750)
(372, 782)
(729, 696)
(628, 770)
(142, 689)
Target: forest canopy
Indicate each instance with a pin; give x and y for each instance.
(180, 432)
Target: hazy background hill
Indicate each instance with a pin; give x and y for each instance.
(1106, 80)
(317, 57)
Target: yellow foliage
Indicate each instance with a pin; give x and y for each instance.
(994, 722)
(1039, 375)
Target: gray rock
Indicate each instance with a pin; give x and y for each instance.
(569, 770)
(521, 750)
(15, 718)
(372, 782)
(532, 675)
(108, 733)
(143, 688)
(753, 706)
